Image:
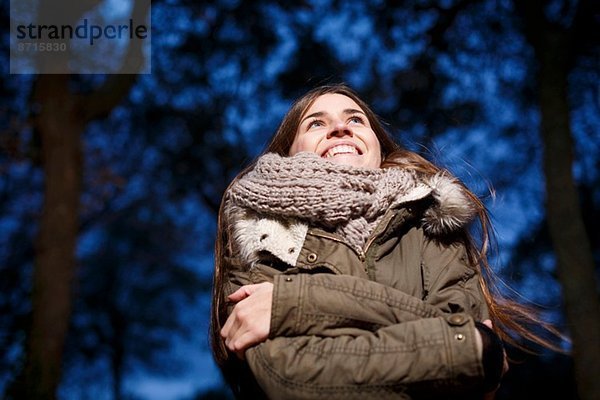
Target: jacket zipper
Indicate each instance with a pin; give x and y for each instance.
(379, 229)
(361, 252)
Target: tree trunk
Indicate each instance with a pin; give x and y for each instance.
(57, 236)
(118, 353)
(555, 48)
(60, 117)
(565, 219)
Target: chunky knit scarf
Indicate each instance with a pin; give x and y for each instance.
(347, 200)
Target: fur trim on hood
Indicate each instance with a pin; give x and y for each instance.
(452, 209)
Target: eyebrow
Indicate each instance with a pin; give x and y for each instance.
(347, 111)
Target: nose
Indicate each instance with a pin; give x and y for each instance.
(340, 129)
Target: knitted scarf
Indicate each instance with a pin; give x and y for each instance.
(349, 201)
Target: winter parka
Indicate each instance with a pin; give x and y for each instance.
(392, 320)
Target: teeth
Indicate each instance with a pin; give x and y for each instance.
(341, 149)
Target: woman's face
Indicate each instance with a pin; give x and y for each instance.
(337, 129)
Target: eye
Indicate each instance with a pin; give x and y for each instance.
(314, 124)
(356, 119)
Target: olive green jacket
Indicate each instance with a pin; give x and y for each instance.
(393, 320)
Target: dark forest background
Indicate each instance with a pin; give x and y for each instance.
(110, 184)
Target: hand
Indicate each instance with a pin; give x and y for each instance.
(250, 321)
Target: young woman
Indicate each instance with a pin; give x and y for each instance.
(345, 269)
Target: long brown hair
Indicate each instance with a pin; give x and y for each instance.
(510, 318)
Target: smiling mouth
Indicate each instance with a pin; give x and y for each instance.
(341, 149)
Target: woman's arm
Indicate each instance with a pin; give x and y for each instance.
(421, 357)
(305, 304)
(346, 339)
(354, 353)
(320, 304)
(328, 304)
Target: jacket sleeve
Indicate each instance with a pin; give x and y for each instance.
(418, 358)
(408, 347)
(318, 303)
(414, 359)
(306, 304)
(321, 303)
(326, 304)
